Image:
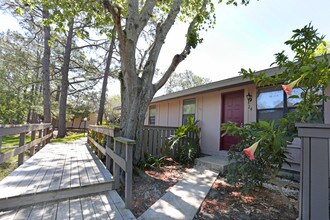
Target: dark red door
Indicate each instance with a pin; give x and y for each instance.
(232, 110)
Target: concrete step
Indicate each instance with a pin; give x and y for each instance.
(216, 163)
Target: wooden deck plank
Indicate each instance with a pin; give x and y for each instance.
(87, 208)
(120, 205)
(74, 173)
(37, 212)
(84, 179)
(101, 167)
(63, 210)
(23, 213)
(65, 181)
(57, 176)
(67, 165)
(96, 170)
(16, 177)
(99, 209)
(50, 210)
(75, 209)
(48, 196)
(24, 177)
(49, 175)
(89, 169)
(8, 215)
(110, 207)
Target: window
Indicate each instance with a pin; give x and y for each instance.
(152, 115)
(274, 104)
(189, 110)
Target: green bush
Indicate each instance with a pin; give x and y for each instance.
(184, 144)
(152, 162)
(270, 141)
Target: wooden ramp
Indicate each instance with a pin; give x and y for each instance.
(61, 181)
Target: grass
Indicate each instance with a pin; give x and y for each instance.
(13, 140)
(71, 136)
(8, 166)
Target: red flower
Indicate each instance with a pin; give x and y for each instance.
(250, 151)
(288, 88)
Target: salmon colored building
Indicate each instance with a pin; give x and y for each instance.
(235, 99)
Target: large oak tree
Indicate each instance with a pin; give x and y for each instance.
(131, 18)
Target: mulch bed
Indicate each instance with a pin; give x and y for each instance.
(224, 201)
(151, 184)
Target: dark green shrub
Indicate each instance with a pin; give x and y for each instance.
(270, 141)
(152, 162)
(184, 144)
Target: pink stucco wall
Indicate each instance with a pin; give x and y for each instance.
(208, 111)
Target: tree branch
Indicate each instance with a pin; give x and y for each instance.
(178, 58)
(115, 11)
(161, 33)
(145, 15)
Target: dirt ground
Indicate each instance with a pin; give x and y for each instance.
(152, 183)
(225, 201)
(222, 202)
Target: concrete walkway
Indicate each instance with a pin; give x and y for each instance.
(184, 199)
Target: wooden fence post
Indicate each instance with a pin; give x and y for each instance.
(314, 176)
(40, 136)
(33, 148)
(128, 175)
(107, 157)
(21, 143)
(116, 168)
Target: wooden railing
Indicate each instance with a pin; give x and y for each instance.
(119, 153)
(44, 134)
(155, 140)
(314, 175)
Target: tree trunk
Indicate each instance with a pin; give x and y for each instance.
(65, 83)
(105, 80)
(135, 101)
(45, 67)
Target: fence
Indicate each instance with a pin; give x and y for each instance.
(155, 139)
(315, 168)
(44, 135)
(113, 153)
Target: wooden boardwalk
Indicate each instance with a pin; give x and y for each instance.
(61, 181)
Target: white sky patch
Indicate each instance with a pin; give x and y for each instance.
(244, 37)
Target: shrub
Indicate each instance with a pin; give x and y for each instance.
(184, 144)
(265, 146)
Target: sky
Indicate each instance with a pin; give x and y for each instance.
(244, 36)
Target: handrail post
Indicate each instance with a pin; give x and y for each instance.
(116, 168)
(21, 143)
(40, 136)
(128, 175)
(107, 157)
(33, 137)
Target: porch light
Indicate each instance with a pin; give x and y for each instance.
(249, 99)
